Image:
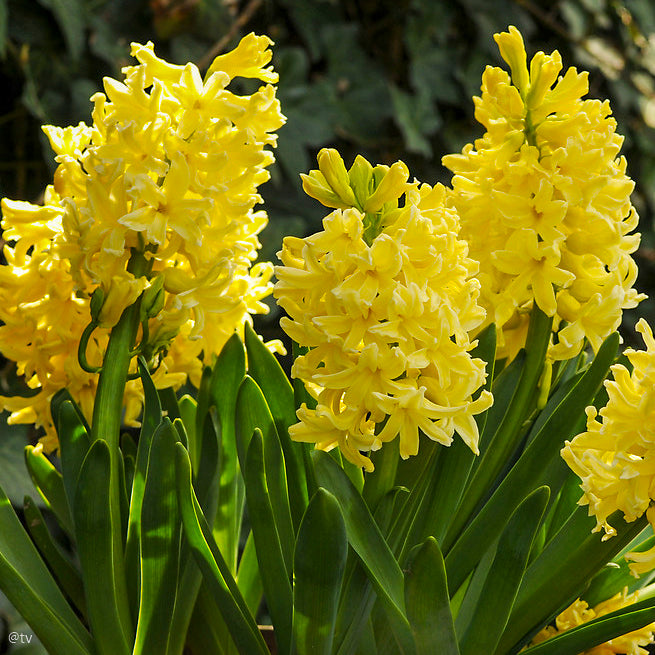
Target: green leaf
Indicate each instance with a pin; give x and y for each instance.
(378, 483)
(160, 545)
(561, 573)
(208, 632)
(168, 400)
(274, 568)
(369, 544)
(67, 576)
(57, 402)
(319, 565)
(539, 464)
(30, 588)
(495, 452)
(100, 548)
(74, 444)
(504, 578)
(357, 601)
(50, 485)
(249, 578)
(206, 489)
(253, 414)
(438, 490)
(271, 379)
(227, 375)
(188, 406)
(152, 416)
(616, 576)
(216, 573)
(598, 631)
(428, 603)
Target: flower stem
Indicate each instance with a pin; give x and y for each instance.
(108, 406)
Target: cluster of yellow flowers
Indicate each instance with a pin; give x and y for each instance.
(579, 612)
(170, 169)
(615, 458)
(544, 202)
(384, 298)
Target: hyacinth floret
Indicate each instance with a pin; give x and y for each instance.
(169, 169)
(383, 298)
(544, 202)
(615, 457)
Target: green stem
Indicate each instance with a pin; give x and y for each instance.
(108, 407)
(383, 478)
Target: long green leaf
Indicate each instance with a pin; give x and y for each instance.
(273, 381)
(504, 578)
(369, 544)
(216, 573)
(160, 544)
(598, 631)
(208, 631)
(74, 443)
(443, 492)
(226, 378)
(30, 588)
(206, 489)
(67, 576)
(616, 576)
(538, 465)
(496, 451)
(354, 612)
(428, 603)
(561, 573)
(253, 414)
(321, 539)
(50, 485)
(249, 579)
(100, 548)
(152, 416)
(206, 486)
(275, 572)
(354, 628)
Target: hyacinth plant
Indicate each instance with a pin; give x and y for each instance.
(461, 463)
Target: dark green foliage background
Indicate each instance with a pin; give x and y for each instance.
(386, 78)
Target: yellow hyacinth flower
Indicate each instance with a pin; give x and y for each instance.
(170, 169)
(579, 612)
(615, 457)
(544, 202)
(384, 298)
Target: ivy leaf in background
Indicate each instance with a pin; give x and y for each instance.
(70, 16)
(417, 119)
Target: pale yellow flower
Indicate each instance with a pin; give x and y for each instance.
(544, 202)
(615, 457)
(170, 168)
(384, 298)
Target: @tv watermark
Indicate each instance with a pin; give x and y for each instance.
(20, 637)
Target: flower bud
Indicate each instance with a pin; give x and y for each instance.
(316, 186)
(152, 301)
(334, 170)
(391, 187)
